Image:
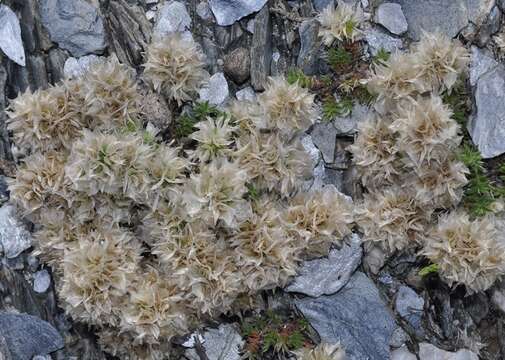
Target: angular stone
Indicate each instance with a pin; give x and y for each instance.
(237, 65)
(356, 316)
(216, 91)
(490, 26)
(172, 17)
(14, 237)
(402, 354)
(320, 5)
(27, 336)
(75, 68)
(261, 49)
(410, 306)
(481, 62)
(223, 343)
(348, 125)
(246, 94)
(324, 136)
(391, 16)
(378, 39)
(430, 352)
(487, 123)
(229, 11)
(311, 149)
(309, 46)
(326, 276)
(56, 62)
(446, 16)
(10, 36)
(203, 10)
(41, 281)
(76, 25)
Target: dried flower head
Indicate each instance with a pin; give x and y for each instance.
(46, 119)
(340, 23)
(111, 164)
(439, 184)
(321, 218)
(98, 273)
(426, 131)
(467, 252)
(288, 107)
(376, 153)
(392, 80)
(323, 351)
(154, 309)
(202, 266)
(175, 67)
(274, 164)
(217, 193)
(110, 96)
(391, 218)
(40, 182)
(267, 254)
(214, 138)
(438, 61)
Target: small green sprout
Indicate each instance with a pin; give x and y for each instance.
(430, 269)
(338, 57)
(333, 109)
(297, 76)
(381, 57)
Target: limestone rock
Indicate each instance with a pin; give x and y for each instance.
(76, 25)
(10, 36)
(391, 16)
(14, 237)
(229, 11)
(430, 352)
(216, 91)
(356, 316)
(326, 276)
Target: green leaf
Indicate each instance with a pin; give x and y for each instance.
(381, 57)
(432, 268)
(295, 340)
(297, 76)
(338, 57)
(332, 108)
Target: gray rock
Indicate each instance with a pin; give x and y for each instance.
(378, 39)
(410, 306)
(309, 46)
(402, 354)
(490, 26)
(446, 16)
(223, 343)
(14, 237)
(27, 336)
(75, 68)
(326, 276)
(391, 16)
(356, 316)
(246, 94)
(76, 25)
(320, 5)
(41, 281)
(348, 125)
(10, 36)
(237, 65)
(216, 91)
(478, 10)
(172, 17)
(333, 177)
(57, 58)
(399, 338)
(430, 352)
(501, 4)
(498, 297)
(229, 11)
(311, 149)
(203, 10)
(261, 49)
(487, 123)
(324, 136)
(319, 179)
(481, 62)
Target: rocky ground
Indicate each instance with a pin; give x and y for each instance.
(377, 310)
